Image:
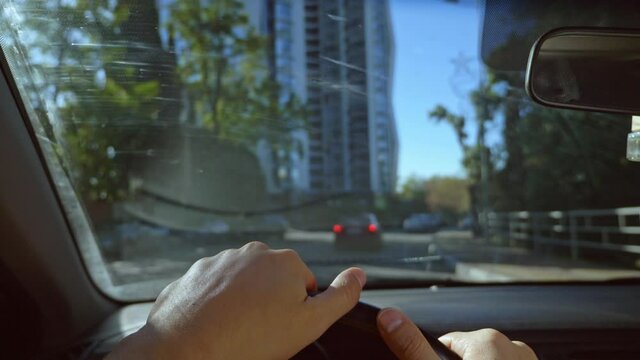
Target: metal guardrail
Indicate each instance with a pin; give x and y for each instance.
(608, 229)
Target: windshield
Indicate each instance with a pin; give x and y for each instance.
(174, 129)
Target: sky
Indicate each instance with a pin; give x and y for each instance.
(436, 62)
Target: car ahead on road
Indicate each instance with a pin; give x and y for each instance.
(358, 232)
(422, 223)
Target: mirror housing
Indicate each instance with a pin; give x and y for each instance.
(591, 69)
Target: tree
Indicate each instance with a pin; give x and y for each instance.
(448, 195)
(547, 159)
(576, 156)
(86, 85)
(477, 159)
(116, 89)
(110, 80)
(410, 199)
(413, 189)
(223, 66)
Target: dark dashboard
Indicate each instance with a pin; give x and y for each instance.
(577, 322)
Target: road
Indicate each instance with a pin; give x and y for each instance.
(444, 255)
(156, 257)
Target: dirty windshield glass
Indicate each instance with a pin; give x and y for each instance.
(368, 133)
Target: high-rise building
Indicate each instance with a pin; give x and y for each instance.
(286, 27)
(349, 60)
(282, 21)
(336, 56)
(382, 125)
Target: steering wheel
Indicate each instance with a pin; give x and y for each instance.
(356, 336)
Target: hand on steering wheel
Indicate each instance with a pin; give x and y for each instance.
(247, 303)
(253, 303)
(408, 343)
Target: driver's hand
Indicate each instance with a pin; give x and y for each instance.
(407, 343)
(249, 303)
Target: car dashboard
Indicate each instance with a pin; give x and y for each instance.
(560, 322)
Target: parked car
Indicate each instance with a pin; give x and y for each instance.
(423, 222)
(467, 223)
(358, 232)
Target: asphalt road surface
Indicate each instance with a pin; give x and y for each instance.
(169, 256)
(159, 256)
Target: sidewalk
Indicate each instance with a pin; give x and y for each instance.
(475, 261)
(479, 272)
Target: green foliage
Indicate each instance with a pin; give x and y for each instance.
(112, 80)
(439, 193)
(448, 195)
(440, 113)
(413, 189)
(80, 69)
(223, 65)
(103, 100)
(553, 159)
(571, 160)
(94, 138)
(547, 159)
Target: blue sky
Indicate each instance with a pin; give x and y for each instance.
(436, 62)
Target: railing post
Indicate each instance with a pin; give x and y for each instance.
(535, 224)
(490, 228)
(566, 228)
(506, 233)
(573, 230)
(511, 230)
(622, 221)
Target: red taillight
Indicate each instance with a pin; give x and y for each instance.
(372, 228)
(337, 228)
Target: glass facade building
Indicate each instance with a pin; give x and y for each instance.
(349, 58)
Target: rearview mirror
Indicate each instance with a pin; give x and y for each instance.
(586, 69)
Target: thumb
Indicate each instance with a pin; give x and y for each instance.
(340, 297)
(403, 337)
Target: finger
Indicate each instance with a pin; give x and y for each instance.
(525, 352)
(402, 337)
(162, 298)
(292, 256)
(255, 246)
(484, 344)
(453, 342)
(341, 296)
(310, 283)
